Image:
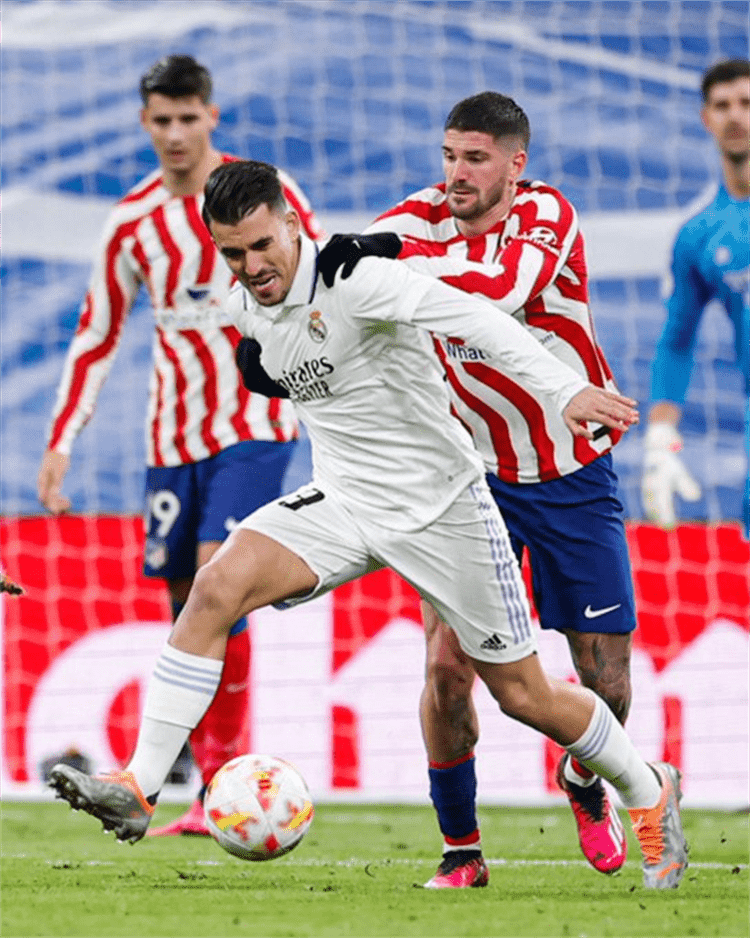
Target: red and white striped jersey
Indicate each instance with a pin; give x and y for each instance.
(198, 405)
(531, 266)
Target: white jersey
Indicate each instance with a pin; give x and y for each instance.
(532, 266)
(198, 405)
(368, 387)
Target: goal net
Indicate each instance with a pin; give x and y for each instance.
(349, 96)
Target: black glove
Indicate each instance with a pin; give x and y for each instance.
(254, 377)
(346, 250)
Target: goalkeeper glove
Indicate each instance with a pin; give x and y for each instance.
(347, 250)
(664, 474)
(254, 376)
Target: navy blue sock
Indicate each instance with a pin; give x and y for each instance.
(453, 789)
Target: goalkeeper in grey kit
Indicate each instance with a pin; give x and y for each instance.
(397, 483)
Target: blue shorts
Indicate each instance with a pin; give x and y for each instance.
(203, 501)
(574, 531)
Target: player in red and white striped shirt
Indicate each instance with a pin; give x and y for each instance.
(214, 451)
(518, 243)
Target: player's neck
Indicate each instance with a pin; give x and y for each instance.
(737, 177)
(192, 181)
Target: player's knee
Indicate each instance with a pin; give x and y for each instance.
(206, 592)
(215, 591)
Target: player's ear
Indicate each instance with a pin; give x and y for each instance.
(293, 224)
(214, 114)
(518, 163)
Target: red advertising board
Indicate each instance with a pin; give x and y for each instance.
(79, 643)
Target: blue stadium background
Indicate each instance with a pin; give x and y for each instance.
(350, 98)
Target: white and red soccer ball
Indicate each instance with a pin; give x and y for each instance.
(258, 807)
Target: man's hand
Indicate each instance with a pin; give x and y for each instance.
(49, 482)
(664, 475)
(599, 406)
(254, 376)
(8, 586)
(347, 250)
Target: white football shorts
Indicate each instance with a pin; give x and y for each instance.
(462, 563)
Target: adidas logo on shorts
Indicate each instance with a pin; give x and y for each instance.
(493, 643)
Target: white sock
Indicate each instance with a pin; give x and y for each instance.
(605, 748)
(179, 692)
(572, 776)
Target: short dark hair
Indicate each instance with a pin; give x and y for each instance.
(490, 113)
(177, 76)
(235, 189)
(722, 72)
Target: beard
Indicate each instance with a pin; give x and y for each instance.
(481, 205)
(737, 157)
(735, 146)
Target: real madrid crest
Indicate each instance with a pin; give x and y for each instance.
(316, 327)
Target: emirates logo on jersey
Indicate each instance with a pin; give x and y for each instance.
(316, 327)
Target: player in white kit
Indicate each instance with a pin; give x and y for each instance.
(213, 452)
(395, 483)
(518, 243)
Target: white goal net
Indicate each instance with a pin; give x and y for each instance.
(350, 97)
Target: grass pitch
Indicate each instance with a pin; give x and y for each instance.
(357, 873)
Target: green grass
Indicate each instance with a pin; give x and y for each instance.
(355, 875)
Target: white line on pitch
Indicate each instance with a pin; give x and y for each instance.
(359, 861)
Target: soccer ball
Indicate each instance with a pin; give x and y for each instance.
(258, 807)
